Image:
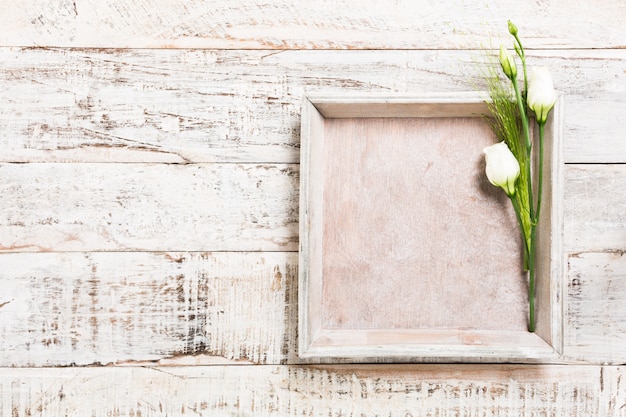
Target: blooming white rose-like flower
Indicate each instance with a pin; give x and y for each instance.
(541, 95)
(502, 168)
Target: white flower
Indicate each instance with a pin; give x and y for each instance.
(541, 95)
(501, 167)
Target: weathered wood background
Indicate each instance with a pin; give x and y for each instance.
(149, 202)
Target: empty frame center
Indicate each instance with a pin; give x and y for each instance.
(414, 236)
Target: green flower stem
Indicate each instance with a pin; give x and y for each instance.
(529, 262)
(534, 216)
(540, 171)
(522, 56)
(533, 235)
(525, 239)
(531, 281)
(524, 117)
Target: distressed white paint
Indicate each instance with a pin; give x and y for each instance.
(95, 207)
(84, 308)
(596, 306)
(595, 208)
(60, 105)
(59, 292)
(351, 391)
(296, 24)
(86, 108)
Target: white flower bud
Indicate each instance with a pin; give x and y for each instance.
(501, 167)
(541, 95)
(508, 63)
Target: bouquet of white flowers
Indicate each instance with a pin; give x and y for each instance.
(508, 163)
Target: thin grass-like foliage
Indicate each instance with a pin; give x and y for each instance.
(506, 123)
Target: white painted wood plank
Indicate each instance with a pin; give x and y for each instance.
(179, 107)
(446, 390)
(153, 207)
(59, 105)
(613, 385)
(133, 391)
(595, 208)
(369, 24)
(59, 309)
(227, 207)
(596, 307)
(452, 390)
(186, 308)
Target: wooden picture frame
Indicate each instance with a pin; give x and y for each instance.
(407, 254)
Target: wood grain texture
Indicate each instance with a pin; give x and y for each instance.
(44, 203)
(181, 106)
(100, 308)
(596, 306)
(595, 208)
(61, 309)
(403, 206)
(614, 388)
(153, 207)
(206, 207)
(350, 391)
(282, 24)
(138, 162)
